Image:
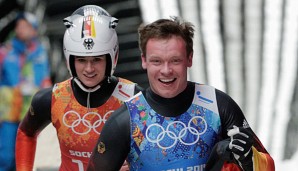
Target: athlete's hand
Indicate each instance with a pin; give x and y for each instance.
(125, 166)
(220, 154)
(241, 144)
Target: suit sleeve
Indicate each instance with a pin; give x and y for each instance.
(231, 114)
(114, 143)
(36, 119)
(138, 89)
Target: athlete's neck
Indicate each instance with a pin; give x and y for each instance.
(171, 106)
(98, 97)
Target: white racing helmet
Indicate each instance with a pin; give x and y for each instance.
(91, 32)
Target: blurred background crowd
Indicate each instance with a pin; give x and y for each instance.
(246, 48)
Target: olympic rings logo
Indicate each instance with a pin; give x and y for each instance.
(90, 121)
(155, 133)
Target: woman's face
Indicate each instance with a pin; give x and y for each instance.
(90, 70)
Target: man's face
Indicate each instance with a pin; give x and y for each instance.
(24, 30)
(166, 62)
(91, 69)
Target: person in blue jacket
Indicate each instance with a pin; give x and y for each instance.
(24, 69)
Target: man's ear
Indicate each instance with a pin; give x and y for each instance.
(190, 59)
(144, 63)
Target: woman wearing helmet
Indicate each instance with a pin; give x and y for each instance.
(79, 106)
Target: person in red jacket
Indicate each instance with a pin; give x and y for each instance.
(177, 124)
(79, 106)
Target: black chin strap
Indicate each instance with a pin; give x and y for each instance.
(88, 90)
(96, 97)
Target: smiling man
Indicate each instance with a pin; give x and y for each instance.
(177, 124)
(166, 66)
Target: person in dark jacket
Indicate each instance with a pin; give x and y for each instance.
(176, 124)
(79, 106)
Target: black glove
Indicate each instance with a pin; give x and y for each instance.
(220, 153)
(241, 144)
